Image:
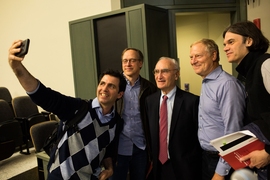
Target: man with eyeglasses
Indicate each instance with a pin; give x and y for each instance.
(173, 123)
(133, 149)
(221, 108)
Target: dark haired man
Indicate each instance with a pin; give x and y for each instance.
(81, 152)
(245, 45)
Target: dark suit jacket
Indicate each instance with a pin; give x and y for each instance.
(184, 147)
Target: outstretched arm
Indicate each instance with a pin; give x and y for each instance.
(28, 82)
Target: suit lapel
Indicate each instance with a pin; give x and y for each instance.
(154, 124)
(176, 110)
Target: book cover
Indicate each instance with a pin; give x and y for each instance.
(233, 146)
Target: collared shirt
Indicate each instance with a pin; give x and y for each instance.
(170, 102)
(132, 132)
(104, 118)
(221, 110)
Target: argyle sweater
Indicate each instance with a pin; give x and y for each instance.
(79, 152)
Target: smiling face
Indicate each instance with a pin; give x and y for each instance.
(108, 91)
(202, 61)
(235, 47)
(165, 75)
(131, 63)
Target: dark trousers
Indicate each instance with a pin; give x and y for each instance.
(136, 165)
(165, 171)
(262, 173)
(209, 163)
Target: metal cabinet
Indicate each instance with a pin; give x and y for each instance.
(98, 41)
(170, 4)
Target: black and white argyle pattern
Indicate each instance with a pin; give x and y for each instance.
(80, 153)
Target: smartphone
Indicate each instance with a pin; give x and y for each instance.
(24, 48)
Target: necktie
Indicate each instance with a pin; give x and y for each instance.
(163, 131)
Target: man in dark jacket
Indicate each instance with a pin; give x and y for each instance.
(246, 45)
(175, 148)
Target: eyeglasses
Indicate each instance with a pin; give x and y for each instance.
(162, 71)
(125, 61)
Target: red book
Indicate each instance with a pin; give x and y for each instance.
(233, 146)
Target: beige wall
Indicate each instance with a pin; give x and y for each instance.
(192, 27)
(46, 23)
(260, 9)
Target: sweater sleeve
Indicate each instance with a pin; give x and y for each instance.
(260, 129)
(52, 101)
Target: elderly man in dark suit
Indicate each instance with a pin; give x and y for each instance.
(176, 152)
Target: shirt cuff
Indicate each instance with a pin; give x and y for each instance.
(33, 92)
(223, 168)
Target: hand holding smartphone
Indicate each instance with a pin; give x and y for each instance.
(24, 48)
